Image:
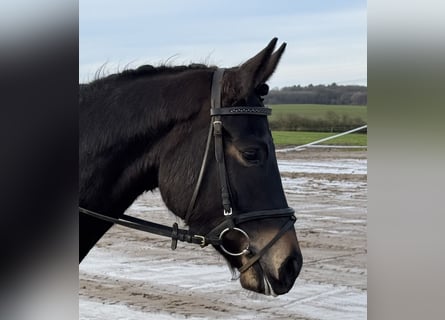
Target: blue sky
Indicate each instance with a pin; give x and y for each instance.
(326, 40)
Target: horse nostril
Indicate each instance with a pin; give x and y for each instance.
(288, 273)
(291, 268)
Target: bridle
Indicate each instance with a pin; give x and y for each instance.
(232, 219)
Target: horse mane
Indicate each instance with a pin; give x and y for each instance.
(144, 71)
(147, 70)
(88, 91)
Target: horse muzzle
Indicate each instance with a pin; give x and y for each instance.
(276, 270)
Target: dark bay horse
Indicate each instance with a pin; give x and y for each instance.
(149, 128)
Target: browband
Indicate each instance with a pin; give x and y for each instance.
(256, 111)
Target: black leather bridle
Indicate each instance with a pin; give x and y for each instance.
(232, 220)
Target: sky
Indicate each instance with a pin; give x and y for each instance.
(326, 40)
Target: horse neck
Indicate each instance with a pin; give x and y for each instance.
(123, 128)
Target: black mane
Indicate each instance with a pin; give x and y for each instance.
(145, 71)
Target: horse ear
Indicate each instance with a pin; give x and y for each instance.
(273, 62)
(258, 69)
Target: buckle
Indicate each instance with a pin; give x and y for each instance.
(202, 239)
(217, 125)
(228, 213)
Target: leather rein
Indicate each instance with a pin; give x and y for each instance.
(231, 219)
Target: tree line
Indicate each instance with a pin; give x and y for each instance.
(319, 94)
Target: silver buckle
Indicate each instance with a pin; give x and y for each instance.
(228, 213)
(203, 240)
(217, 125)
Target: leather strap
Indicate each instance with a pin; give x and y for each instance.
(219, 145)
(240, 218)
(215, 94)
(219, 156)
(201, 175)
(260, 253)
(171, 232)
(263, 214)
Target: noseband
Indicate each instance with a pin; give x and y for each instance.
(232, 219)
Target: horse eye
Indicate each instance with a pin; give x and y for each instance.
(251, 155)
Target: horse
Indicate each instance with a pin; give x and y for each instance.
(148, 128)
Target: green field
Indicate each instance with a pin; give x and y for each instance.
(286, 112)
(288, 138)
(318, 111)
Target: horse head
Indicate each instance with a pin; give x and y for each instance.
(253, 181)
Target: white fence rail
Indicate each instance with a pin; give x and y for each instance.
(312, 144)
